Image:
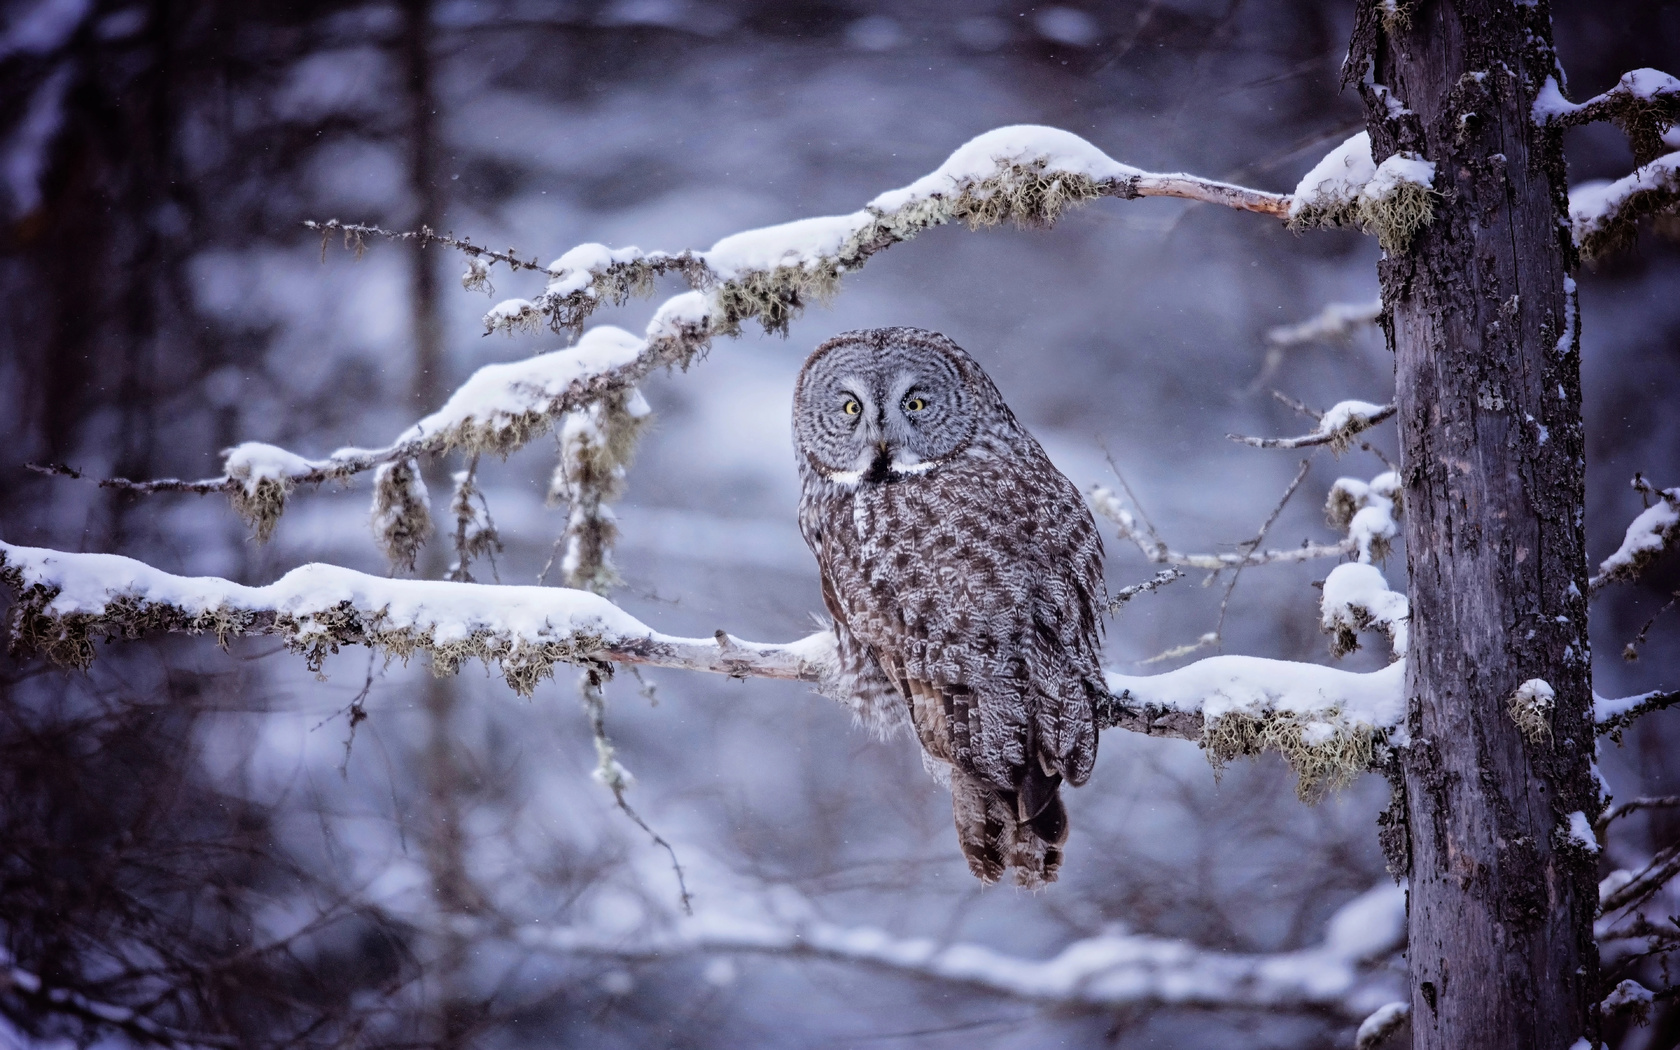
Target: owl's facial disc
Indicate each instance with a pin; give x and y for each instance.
(868, 412)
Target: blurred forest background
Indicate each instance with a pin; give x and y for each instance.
(193, 832)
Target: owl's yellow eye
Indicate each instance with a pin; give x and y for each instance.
(851, 407)
(914, 404)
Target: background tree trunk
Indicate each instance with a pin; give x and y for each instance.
(1488, 381)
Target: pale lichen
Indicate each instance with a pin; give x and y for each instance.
(1325, 754)
(1530, 707)
(402, 518)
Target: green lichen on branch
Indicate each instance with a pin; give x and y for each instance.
(1396, 215)
(1027, 194)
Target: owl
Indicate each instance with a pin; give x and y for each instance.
(964, 575)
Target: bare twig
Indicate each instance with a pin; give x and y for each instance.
(1646, 882)
(1631, 650)
(221, 484)
(1634, 805)
(1254, 544)
(617, 779)
(354, 232)
(1106, 504)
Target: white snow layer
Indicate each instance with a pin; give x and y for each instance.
(1108, 969)
(1593, 205)
(1383, 1020)
(1335, 182)
(1371, 526)
(1627, 995)
(1348, 176)
(1061, 152)
(1356, 596)
(1345, 414)
(497, 395)
(254, 461)
(447, 612)
(1647, 535)
(1644, 84)
(809, 243)
(1402, 167)
(1256, 686)
(1580, 831)
(1607, 708)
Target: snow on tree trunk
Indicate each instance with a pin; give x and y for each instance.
(1502, 897)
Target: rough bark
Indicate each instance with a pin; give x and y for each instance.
(1502, 900)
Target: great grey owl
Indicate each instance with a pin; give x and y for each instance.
(964, 575)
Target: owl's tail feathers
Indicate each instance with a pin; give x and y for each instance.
(997, 832)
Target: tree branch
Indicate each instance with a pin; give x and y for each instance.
(1603, 215)
(499, 410)
(1108, 505)
(1647, 536)
(1613, 716)
(1023, 174)
(1336, 427)
(49, 999)
(66, 602)
(1342, 974)
(1643, 104)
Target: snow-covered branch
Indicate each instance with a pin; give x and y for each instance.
(1612, 715)
(499, 409)
(1336, 428)
(1336, 321)
(1392, 200)
(1024, 174)
(1602, 214)
(1648, 535)
(64, 603)
(1644, 104)
(1345, 974)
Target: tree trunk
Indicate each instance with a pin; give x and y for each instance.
(1488, 383)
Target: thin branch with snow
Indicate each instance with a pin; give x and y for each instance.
(1336, 428)
(1644, 104)
(1647, 536)
(1603, 214)
(1109, 506)
(1346, 974)
(1336, 321)
(1612, 715)
(499, 409)
(1023, 174)
(1632, 806)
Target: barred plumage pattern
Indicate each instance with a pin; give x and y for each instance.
(964, 575)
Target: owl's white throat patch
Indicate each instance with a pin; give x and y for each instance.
(921, 467)
(852, 478)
